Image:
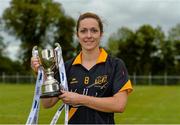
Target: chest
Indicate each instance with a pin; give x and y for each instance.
(93, 82)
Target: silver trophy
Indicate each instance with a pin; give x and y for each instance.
(50, 87)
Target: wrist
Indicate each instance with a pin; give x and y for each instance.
(84, 100)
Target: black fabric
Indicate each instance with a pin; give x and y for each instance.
(86, 115)
(104, 80)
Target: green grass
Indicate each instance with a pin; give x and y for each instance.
(146, 105)
(152, 105)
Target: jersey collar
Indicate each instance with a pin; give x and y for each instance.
(102, 57)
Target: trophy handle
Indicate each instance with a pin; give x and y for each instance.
(58, 53)
(35, 51)
(57, 45)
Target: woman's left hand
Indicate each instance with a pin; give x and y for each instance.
(70, 98)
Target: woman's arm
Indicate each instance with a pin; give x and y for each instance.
(49, 102)
(116, 103)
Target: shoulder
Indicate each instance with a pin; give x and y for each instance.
(69, 62)
(116, 61)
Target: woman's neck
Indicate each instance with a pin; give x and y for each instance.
(89, 58)
(90, 55)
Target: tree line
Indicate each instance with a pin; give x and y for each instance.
(148, 49)
(44, 22)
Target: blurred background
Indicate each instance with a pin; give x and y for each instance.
(144, 33)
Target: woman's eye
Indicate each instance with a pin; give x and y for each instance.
(83, 31)
(94, 30)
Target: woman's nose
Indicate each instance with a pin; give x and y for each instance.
(89, 34)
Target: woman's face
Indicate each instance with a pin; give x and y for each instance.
(89, 34)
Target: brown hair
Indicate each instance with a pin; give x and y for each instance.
(90, 15)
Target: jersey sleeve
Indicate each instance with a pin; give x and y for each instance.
(121, 79)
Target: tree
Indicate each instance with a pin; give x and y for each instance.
(122, 36)
(125, 48)
(2, 46)
(174, 39)
(6, 64)
(142, 50)
(39, 22)
(174, 33)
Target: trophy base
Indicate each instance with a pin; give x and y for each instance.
(50, 94)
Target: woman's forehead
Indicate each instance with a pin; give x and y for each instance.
(89, 22)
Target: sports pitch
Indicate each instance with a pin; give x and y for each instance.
(146, 105)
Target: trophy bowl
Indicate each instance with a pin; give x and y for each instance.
(50, 87)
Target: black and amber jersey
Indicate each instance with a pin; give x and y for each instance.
(104, 79)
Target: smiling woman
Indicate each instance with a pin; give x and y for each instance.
(89, 34)
(98, 83)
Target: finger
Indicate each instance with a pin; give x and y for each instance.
(34, 61)
(62, 91)
(35, 67)
(61, 96)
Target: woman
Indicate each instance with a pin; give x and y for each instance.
(98, 83)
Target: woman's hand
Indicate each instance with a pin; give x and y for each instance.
(35, 63)
(115, 103)
(70, 98)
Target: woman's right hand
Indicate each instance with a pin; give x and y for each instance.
(35, 63)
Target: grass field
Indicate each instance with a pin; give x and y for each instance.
(146, 105)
